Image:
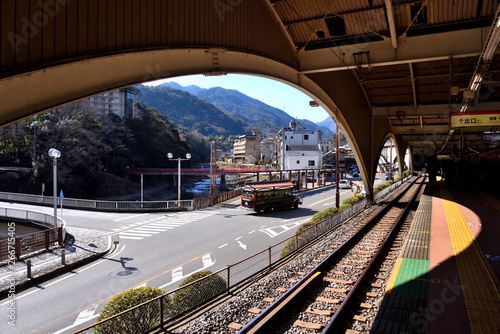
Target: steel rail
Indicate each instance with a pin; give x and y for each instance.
(340, 313)
(257, 325)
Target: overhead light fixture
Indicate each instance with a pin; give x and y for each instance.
(491, 48)
(475, 83)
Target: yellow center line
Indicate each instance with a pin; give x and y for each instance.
(326, 199)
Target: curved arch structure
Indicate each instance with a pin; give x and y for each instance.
(57, 51)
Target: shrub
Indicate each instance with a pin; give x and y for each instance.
(322, 215)
(209, 285)
(344, 206)
(305, 226)
(353, 200)
(138, 321)
(290, 246)
(406, 173)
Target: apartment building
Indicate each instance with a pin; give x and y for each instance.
(120, 101)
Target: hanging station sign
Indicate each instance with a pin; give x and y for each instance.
(477, 118)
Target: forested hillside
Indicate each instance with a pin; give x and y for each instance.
(95, 150)
(190, 112)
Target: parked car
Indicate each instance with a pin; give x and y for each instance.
(344, 184)
(389, 176)
(355, 174)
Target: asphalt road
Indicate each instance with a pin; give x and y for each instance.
(156, 249)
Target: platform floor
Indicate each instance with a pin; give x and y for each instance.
(446, 279)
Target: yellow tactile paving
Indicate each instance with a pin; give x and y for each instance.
(395, 273)
(481, 287)
(490, 199)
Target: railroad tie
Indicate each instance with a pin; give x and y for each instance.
(309, 325)
(236, 326)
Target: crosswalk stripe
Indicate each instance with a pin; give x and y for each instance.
(144, 231)
(131, 238)
(160, 229)
(135, 234)
(169, 227)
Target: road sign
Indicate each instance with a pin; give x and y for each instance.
(61, 195)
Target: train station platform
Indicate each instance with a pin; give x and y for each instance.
(446, 279)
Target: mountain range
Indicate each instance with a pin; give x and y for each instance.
(219, 111)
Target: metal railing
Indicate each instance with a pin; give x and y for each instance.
(33, 216)
(33, 242)
(391, 188)
(98, 204)
(204, 202)
(164, 309)
(17, 247)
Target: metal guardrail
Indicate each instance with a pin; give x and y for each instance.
(33, 216)
(97, 204)
(33, 242)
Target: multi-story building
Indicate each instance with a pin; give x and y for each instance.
(267, 150)
(247, 148)
(326, 145)
(298, 148)
(121, 102)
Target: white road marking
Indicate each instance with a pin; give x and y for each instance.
(130, 238)
(251, 232)
(207, 262)
(277, 230)
(242, 245)
(128, 217)
(152, 228)
(133, 234)
(177, 274)
(238, 238)
(143, 230)
(86, 315)
(223, 245)
(65, 277)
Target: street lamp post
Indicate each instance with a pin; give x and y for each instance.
(54, 154)
(170, 156)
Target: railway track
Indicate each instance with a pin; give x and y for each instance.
(327, 298)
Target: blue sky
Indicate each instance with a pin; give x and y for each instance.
(271, 92)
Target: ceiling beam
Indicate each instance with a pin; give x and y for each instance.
(392, 24)
(414, 89)
(410, 50)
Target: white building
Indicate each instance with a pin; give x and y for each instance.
(298, 148)
(121, 102)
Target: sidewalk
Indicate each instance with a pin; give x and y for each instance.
(82, 246)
